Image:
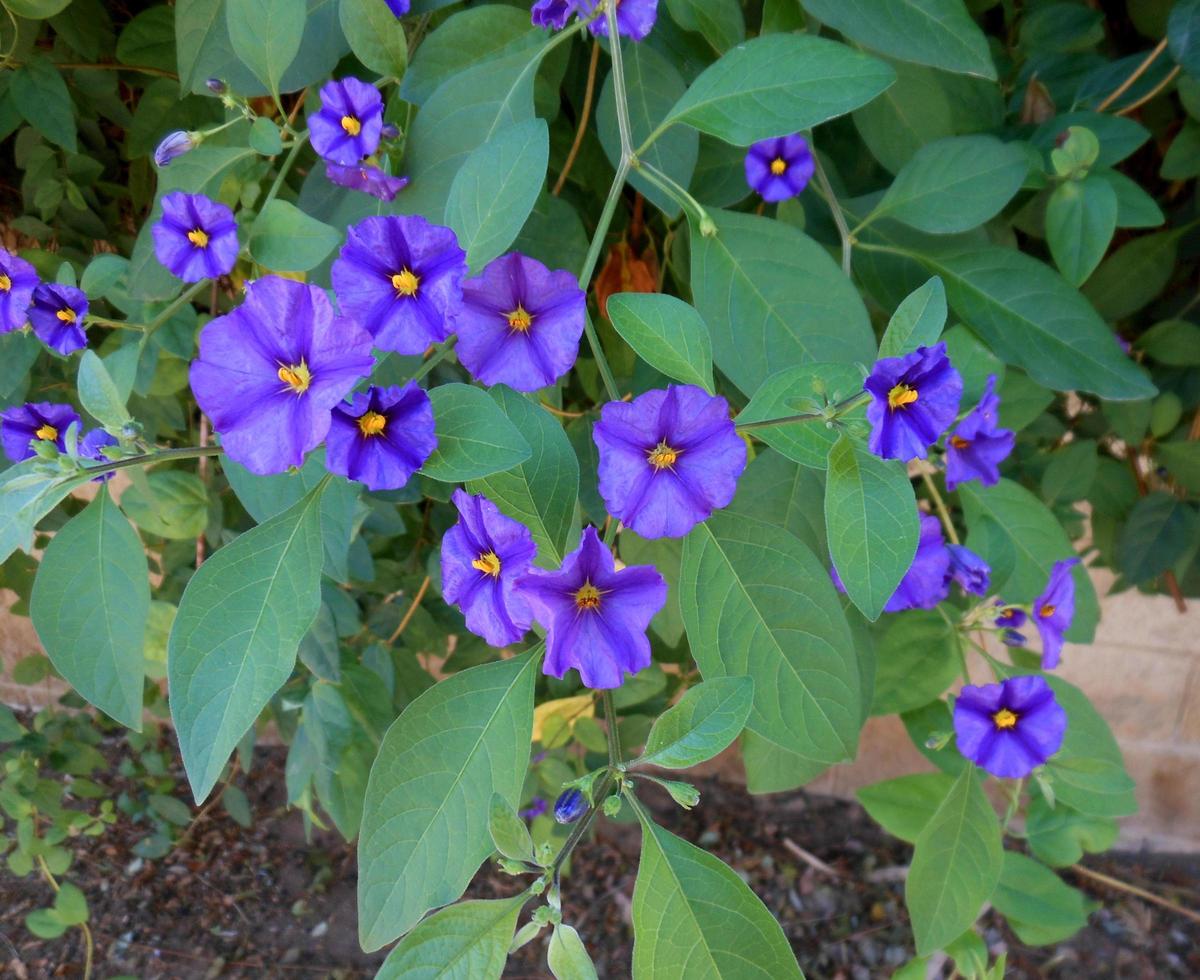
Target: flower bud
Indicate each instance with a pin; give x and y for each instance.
(216, 86)
(174, 145)
(389, 131)
(570, 806)
(1011, 638)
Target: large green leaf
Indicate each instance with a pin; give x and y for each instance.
(90, 602)
(475, 437)
(873, 523)
(772, 297)
(425, 820)
(917, 658)
(939, 33)
(1081, 217)
(956, 864)
(27, 494)
(1041, 908)
(376, 36)
(98, 392)
(703, 723)
(667, 333)
(285, 239)
(1159, 531)
(777, 84)
(1088, 772)
(1133, 275)
(170, 503)
(468, 37)
(234, 640)
(757, 602)
(905, 805)
(37, 91)
(780, 492)
(266, 35)
(467, 941)
(567, 956)
(542, 491)
(1059, 835)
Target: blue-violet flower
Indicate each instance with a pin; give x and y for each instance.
(1053, 610)
(365, 178)
(914, 399)
(57, 316)
(780, 167)
(174, 145)
(347, 126)
(196, 238)
(18, 280)
(977, 447)
(382, 436)
(1011, 728)
(22, 425)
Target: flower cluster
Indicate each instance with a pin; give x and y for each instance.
(635, 18)
(23, 428)
(55, 311)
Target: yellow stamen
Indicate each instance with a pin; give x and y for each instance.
(662, 456)
(351, 125)
(519, 319)
(371, 423)
(66, 314)
(778, 166)
(900, 396)
(588, 596)
(958, 442)
(488, 563)
(405, 282)
(47, 432)
(1046, 611)
(1005, 719)
(296, 376)
(5, 283)
(198, 237)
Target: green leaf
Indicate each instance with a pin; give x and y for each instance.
(553, 233)
(1069, 474)
(40, 95)
(542, 491)
(778, 491)
(917, 322)
(266, 35)
(956, 864)
(871, 514)
(779, 621)
(695, 919)
(664, 554)
(466, 38)
(780, 83)
(1135, 208)
(475, 437)
(1173, 342)
(509, 833)
(666, 333)
(376, 36)
(772, 297)
(1039, 906)
(939, 33)
(1182, 459)
(45, 923)
(1059, 835)
(720, 22)
(917, 660)
(36, 9)
(98, 393)
(467, 941)
(149, 39)
(234, 640)
(265, 137)
(905, 805)
(701, 725)
(955, 184)
(496, 188)
(424, 830)
(1183, 35)
(1131, 277)
(567, 957)
(170, 503)
(27, 494)
(1080, 220)
(171, 809)
(90, 602)
(285, 239)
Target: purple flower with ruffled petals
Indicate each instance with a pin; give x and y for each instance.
(368, 179)
(270, 373)
(635, 18)
(927, 581)
(1011, 728)
(196, 238)
(969, 570)
(552, 14)
(595, 616)
(780, 167)
(174, 145)
(914, 400)
(483, 557)
(91, 447)
(668, 459)
(977, 446)
(348, 125)
(18, 280)
(520, 323)
(400, 278)
(398, 7)
(382, 436)
(57, 316)
(23, 425)
(1053, 610)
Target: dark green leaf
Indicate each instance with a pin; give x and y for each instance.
(917, 659)
(917, 322)
(466, 38)
(266, 35)
(1040, 908)
(1173, 342)
(1183, 35)
(376, 36)
(1080, 220)
(1131, 277)
(475, 437)
(170, 503)
(40, 95)
(285, 239)
(1160, 530)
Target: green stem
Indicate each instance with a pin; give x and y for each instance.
(614, 738)
(940, 505)
(148, 459)
(835, 209)
(675, 191)
(185, 297)
(104, 321)
(1013, 803)
(301, 139)
(435, 358)
(840, 409)
(624, 130)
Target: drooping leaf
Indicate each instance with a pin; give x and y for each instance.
(1041, 908)
(567, 957)
(475, 437)
(667, 333)
(702, 724)
(467, 941)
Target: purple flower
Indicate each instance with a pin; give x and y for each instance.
(1011, 728)
(196, 238)
(483, 556)
(595, 616)
(1053, 611)
(779, 168)
(270, 373)
(174, 145)
(969, 570)
(57, 316)
(369, 180)
(22, 425)
(977, 447)
(398, 7)
(382, 437)
(18, 280)
(635, 18)
(914, 400)
(668, 459)
(552, 14)
(520, 323)
(927, 581)
(91, 447)
(1012, 638)
(216, 86)
(570, 806)
(537, 806)
(1009, 617)
(348, 124)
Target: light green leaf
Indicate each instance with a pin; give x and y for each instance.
(98, 393)
(666, 333)
(917, 322)
(285, 239)
(918, 659)
(955, 867)
(702, 724)
(1059, 835)
(1081, 217)
(567, 957)
(90, 602)
(425, 827)
(27, 494)
(905, 805)
(475, 437)
(509, 833)
(467, 941)
(265, 137)
(45, 924)
(266, 35)
(376, 36)
(871, 514)
(1088, 772)
(694, 919)
(170, 503)
(234, 640)
(1039, 906)
(780, 83)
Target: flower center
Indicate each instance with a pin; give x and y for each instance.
(520, 319)
(351, 125)
(958, 442)
(1005, 719)
(901, 395)
(371, 423)
(5, 283)
(296, 376)
(489, 563)
(198, 237)
(66, 314)
(588, 596)
(47, 432)
(1046, 611)
(405, 282)
(778, 166)
(662, 456)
